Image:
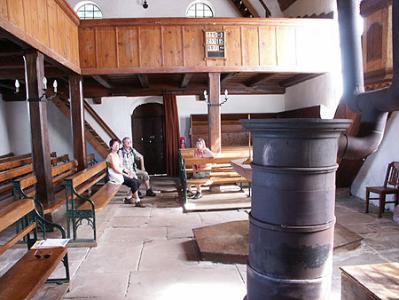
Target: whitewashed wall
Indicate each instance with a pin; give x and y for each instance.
(157, 8)
(4, 140)
(373, 171)
(18, 125)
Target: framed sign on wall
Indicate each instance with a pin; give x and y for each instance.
(215, 44)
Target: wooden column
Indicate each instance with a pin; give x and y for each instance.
(214, 118)
(78, 120)
(34, 73)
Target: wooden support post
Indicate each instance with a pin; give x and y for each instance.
(78, 120)
(34, 73)
(214, 118)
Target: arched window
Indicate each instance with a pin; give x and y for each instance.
(88, 10)
(199, 9)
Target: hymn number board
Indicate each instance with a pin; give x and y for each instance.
(215, 44)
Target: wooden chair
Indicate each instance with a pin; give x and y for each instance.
(390, 188)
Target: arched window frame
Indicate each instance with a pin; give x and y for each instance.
(206, 3)
(81, 4)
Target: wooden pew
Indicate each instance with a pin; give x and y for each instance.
(6, 155)
(25, 187)
(220, 170)
(7, 176)
(18, 157)
(26, 276)
(28, 160)
(82, 207)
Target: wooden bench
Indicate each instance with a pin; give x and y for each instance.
(28, 160)
(6, 155)
(221, 171)
(82, 207)
(6, 177)
(370, 282)
(27, 275)
(25, 187)
(22, 156)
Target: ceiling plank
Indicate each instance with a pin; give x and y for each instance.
(258, 79)
(227, 76)
(101, 80)
(145, 84)
(296, 79)
(185, 81)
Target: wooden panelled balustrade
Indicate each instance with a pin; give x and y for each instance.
(50, 26)
(176, 45)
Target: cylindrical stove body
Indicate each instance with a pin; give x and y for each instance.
(291, 229)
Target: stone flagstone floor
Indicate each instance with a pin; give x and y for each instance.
(150, 254)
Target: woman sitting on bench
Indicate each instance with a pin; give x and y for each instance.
(119, 175)
(200, 171)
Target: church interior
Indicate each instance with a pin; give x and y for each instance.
(199, 149)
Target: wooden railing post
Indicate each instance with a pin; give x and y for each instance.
(214, 117)
(34, 74)
(78, 120)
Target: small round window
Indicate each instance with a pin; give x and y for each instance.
(199, 10)
(88, 10)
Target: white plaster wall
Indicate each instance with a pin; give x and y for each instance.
(188, 105)
(373, 170)
(60, 131)
(18, 125)
(157, 8)
(4, 140)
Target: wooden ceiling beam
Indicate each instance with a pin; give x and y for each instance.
(101, 80)
(185, 81)
(145, 84)
(296, 79)
(258, 79)
(227, 76)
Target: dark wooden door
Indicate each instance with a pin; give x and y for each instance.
(148, 136)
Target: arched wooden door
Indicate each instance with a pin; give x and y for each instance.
(148, 136)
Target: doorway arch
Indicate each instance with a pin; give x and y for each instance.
(148, 136)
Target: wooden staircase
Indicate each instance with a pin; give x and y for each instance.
(245, 8)
(90, 134)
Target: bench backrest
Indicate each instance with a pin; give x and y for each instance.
(86, 174)
(15, 211)
(226, 151)
(24, 161)
(57, 172)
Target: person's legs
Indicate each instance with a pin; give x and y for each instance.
(144, 177)
(133, 184)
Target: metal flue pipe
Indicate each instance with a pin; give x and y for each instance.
(375, 105)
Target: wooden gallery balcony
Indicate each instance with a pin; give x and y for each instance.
(148, 56)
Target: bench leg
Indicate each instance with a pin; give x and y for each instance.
(382, 205)
(367, 201)
(67, 276)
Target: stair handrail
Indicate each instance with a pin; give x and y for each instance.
(100, 121)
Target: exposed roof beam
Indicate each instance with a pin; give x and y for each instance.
(296, 79)
(186, 78)
(101, 80)
(143, 81)
(227, 76)
(258, 79)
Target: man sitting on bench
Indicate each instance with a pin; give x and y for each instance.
(200, 171)
(129, 156)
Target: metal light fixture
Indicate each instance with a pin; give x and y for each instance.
(226, 97)
(145, 4)
(46, 95)
(17, 86)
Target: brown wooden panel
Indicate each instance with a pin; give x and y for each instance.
(150, 46)
(87, 45)
(52, 23)
(3, 9)
(267, 44)
(172, 45)
(250, 46)
(63, 41)
(16, 13)
(43, 26)
(128, 47)
(194, 51)
(106, 51)
(286, 47)
(31, 17)
(233, 46)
